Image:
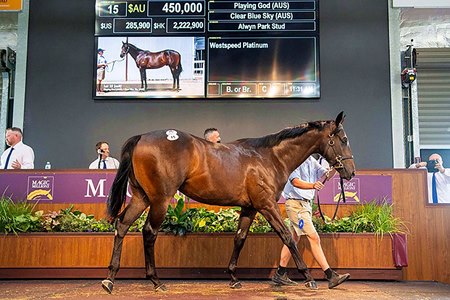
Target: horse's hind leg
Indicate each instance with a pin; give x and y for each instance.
(272, 214)
(245, 220)
(131, 213)
(154, 220)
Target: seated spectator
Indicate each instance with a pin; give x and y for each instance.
(104, 161)
(18, 155)
(438, 179)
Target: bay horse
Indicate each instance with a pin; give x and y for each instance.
(154, 60)
(249, 173)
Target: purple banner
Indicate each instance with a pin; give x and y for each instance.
(57, 187)
(93, 187)
(360, 189)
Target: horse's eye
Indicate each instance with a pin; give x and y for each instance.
(345, 140)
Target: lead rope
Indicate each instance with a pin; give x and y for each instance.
(113, 63)
(341, 196)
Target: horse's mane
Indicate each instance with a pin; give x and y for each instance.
(274, 139)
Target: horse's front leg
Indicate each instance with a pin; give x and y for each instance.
(272, 213)
(145, 79)
(131, 213)
(142, 71)
(154, 220)
(245, 220)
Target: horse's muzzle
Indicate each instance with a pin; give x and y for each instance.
(350, 176)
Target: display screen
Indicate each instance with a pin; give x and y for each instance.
(207, 49)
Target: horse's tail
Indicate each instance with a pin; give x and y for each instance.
(118, 192)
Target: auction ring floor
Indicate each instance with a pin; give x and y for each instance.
(218, 289)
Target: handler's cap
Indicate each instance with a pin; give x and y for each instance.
(100, 49)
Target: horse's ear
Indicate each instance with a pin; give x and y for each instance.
(123, 43)
(340, 118)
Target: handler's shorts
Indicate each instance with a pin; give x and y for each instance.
(300, 215)
(100, 73)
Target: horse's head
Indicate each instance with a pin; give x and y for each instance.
(336, 148)
(125, 49)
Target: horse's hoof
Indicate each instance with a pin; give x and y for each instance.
(107, 285)
(160, 288)
(235, 285)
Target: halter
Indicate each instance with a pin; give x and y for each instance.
(127, 50)
(338, 158)
(336, 165)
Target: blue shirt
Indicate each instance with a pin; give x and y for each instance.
(310, 171)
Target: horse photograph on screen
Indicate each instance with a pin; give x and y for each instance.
(154, 60)
(152, 67)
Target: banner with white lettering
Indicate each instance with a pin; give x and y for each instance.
(57, 187)
(94, 186)
(360, 189)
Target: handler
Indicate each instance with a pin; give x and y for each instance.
(299, 193)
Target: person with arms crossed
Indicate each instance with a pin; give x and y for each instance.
(212, 135)
(438, 179)
(104, 161)
(299, 193)
(18, 155)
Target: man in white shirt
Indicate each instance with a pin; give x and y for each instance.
(18, 155)
(104, 161)
(438, 180)
(299, 192)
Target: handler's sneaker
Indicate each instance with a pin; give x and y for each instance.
(282, 279)
(337, 279)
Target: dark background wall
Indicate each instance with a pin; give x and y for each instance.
(63, 122)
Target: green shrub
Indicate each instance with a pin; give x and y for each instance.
(260, 225)
(227, 220)
(139, 223)
(371, 217)
(67, 220)
(203, 220)
(18, 217)
(177, 221)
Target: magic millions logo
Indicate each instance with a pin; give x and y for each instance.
(40, 188)
(351, 188)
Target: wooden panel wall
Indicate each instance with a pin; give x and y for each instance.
(194, 251)
(429, 225)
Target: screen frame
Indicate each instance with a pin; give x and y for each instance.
(206, 74)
